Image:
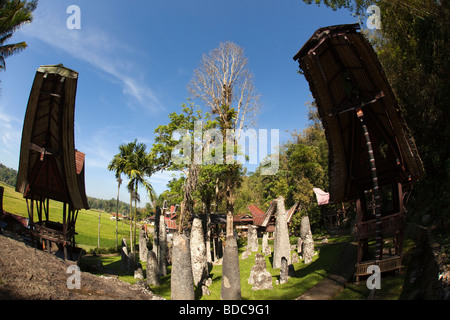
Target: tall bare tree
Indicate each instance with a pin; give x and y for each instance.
(223, 83)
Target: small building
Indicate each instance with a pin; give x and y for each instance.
(50, 167)
(263, 221)
(170, 219)
(373, 158)
(268, 221)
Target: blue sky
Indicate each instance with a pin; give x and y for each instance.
(135, 59)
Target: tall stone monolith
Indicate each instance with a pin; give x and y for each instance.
(198, 253)
(265, 245)
(304, 227)
(252, 239)
(181, 281)
(299, 245)
(284, 270)
(308, 248)
(142, 245)
(282, 247)
(152, 269)
(163, 249)
(124, 256)
(231, 282)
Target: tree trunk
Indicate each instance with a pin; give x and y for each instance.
(208, 232)
(131, 222)
(230, 210)
(117, 219)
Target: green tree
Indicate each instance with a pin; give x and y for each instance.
(118, 166)
(413, 45)
(303, 165)
(224, 84)
(139, 166)
(168, 156)
(13, 14)
(136, 164)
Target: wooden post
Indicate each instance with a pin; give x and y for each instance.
(376, 202)
(98, 237)
(40, 209)
(64, 218)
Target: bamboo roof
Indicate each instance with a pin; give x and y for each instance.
(344, 73)
(50, 166)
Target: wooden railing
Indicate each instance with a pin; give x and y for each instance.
(388, 264)
(389, 225)
(52, 231)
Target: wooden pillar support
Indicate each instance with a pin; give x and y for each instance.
(375, 206)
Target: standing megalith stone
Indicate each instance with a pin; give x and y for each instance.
(308, 248)
(304, 227)
(265, 245)
(282, 247)
(198, 253)
(131, 263)
(138, 272)
(252, 239)
(260, 278)
(181, 281)
(231, 282)
(295, 258)
(124, 257)
(284, 270)
(152, 269)
(142, 245)
(163, 248)
(299, 245)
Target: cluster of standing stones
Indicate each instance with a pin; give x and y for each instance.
(190, 260)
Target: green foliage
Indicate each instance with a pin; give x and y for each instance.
(303, 166)
(13, 14)
(7, 175)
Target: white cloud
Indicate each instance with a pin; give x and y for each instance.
(9, 134)
(98, 48)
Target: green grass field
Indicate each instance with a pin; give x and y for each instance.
(86, 225)
(305, 276)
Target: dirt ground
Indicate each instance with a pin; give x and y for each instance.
(27, 273)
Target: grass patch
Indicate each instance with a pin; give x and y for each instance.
(305, 276)
(87, 221)
(393, 285)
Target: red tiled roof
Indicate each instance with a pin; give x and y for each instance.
(79, 160)
(255, 210)
(243, 217)
(257, 214)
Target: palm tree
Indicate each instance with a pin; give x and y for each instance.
(140, 167)
(117, 165)
(133, 161)
(13, 14)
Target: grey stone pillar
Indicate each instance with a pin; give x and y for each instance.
(182, 283)
(231, 281)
